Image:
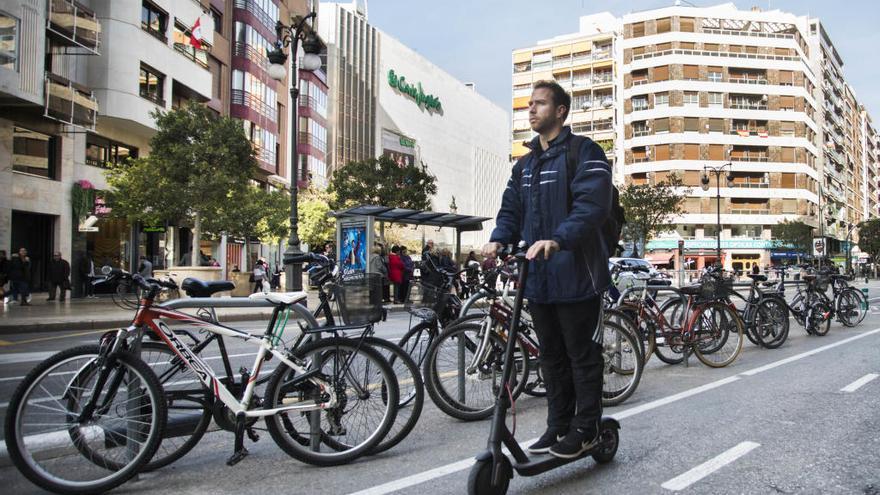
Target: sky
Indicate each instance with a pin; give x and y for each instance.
(473, 39)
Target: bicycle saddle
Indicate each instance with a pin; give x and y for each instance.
(659, 283)
(280, 297)
(809, 278)
(202, 288)
(757, 277)
(691, 290)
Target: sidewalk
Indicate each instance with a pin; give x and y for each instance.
(101, 313)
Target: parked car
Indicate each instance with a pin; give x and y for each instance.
(634, 262)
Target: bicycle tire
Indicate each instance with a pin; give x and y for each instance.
(748, 316)
(340, 450)
(670, 350)
(418, 339)
(480, 402)
(848, 307)
(183, 392)
(721, 337)
(411, 392)
(618, 343)
(626, 320)
(818, 317)
(772, 322)
(119, 473)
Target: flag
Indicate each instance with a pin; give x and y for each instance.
(195, 36)
(763, 134)
(743, 132)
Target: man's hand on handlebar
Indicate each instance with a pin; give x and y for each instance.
(490, 249)
(542, 248)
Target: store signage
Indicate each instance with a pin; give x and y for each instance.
(407, 142)
(712, 243)
(158, 229)
(818, 246)
(415, 91)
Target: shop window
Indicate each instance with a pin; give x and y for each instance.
(34, 153)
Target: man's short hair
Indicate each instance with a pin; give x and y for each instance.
(560, 95)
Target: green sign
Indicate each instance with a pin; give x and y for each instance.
(430, 102)
(407, 142)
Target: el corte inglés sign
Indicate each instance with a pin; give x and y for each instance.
(415, 91)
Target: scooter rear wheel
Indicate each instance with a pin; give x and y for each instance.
(607, 445)
(480, 478)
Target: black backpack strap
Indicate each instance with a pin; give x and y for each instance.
(571, 161)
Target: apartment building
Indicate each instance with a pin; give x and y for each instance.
(761, 90)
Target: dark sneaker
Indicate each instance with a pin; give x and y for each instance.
(547, 440)
(575, 443)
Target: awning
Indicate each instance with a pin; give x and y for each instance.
(462, 223)
(659, 258)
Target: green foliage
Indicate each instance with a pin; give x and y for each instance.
(869, 237)
(197, 164)
(797, 235)
(315, 225)
(253, 213)
(82, 200)
(649, 209)
(382, 182)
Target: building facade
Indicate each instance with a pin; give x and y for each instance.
(392, 101)
(761, 90)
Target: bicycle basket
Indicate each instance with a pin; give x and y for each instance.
(712, 287)
(359, 296)
(821, 283)
(426, 300)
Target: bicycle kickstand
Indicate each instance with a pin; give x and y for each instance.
(239, 451)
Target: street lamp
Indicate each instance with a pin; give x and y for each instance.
(704, 183)
(291, 36)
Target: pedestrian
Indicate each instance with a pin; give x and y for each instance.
(378, 266)
(4, 274)
(86, 268)
(213, 262)
(276, 277)
(561, 220)
(756, 269)
(145, 268)
(258, 276)
(20, 276)
(330, 250)
(59, 277)
(408, 271)
(235, 269)
(395, 273)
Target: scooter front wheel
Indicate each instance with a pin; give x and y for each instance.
(480, 479)
(608, 442)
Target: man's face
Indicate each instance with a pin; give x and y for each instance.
(543, 113)
(57, 256)
(22, 252)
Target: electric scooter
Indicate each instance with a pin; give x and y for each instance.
(492, 472)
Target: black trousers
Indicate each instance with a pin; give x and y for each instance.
(53, 286)
(571, 361)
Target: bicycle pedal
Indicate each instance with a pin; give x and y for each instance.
(253, 435)
(237, 457)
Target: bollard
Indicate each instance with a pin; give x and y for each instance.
(865, 298)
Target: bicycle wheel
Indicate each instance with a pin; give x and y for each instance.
(367, 393)
(750, 328)
(628, 322)
(417, 340)
(718, 335)
(535, 387)
(57, 450)
(411, 392)
(189, 403)
(623, 364)
(668, 346)
(818, 317)
(849, 307)
(469, 394)
(771, 322)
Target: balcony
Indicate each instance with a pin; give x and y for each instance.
(309, 139)
(243, 98)
(746, 105)
(251, 53)
(74, 25)
(258, 12)
(69, 102)
(307, 101)
(749, 211)
(749, 157)
(747, 80)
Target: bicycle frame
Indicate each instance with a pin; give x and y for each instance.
(149, 317)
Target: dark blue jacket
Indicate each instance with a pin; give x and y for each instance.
(535, 207)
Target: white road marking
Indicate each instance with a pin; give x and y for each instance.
(24, 357)
(463, 464)
(687, 479)
(852, 387)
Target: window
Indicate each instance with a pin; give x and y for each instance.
(691, 98)
(786, 78)
(154, 20)
(102, 152)
(714, 74)
(786, 102)
(640, 103)
(152, 85)
(640, 128)
(34, 153)
(686, 24)
(662, 47)
(716, 152)
(710, 47)
(661, 99)
(8, 42)
(661, 152)
(687, 45)
(661, 126)
(218, 21)
(786, 129)
(691, 124)
(664, 25)
(692, 152)
(716, 99)
(788, 155)
(788, 181)
(789, 205)
(691, 72)
(638, 29)
(216, 78)
(716, 125)
(182, 45)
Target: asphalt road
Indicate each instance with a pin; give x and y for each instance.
(800, 419)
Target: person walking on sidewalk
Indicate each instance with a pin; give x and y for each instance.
(59, 277)
(86, 270)
(560, 216)
(259, 276)
(145, 269)
(395, 273)
(409, 269)
(20, 276)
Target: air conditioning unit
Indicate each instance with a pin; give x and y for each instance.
(586, 105)
(607, 102)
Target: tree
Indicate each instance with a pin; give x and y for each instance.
(797, 235)
(253, 213)
(316, 226)
(869, 238)
(381, 181)
(199, 162)
(649, 209)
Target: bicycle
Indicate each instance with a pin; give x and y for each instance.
(809, 306)
(847, 303)
(310, 379)
(765, 317)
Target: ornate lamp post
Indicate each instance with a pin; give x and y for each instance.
(704, 183)
(291, 36)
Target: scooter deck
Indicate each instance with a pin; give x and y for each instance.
(541, 463)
